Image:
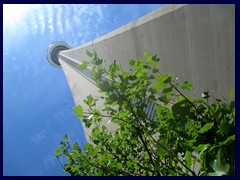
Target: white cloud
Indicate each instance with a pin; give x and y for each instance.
(49, 162)
(34, 25)
(76, 19)
(99, 12)
(41, 20)
(50, 18)
(59, 22)
(67, 25)
(38, 137)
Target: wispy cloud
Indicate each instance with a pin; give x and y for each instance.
(76, 20)
(99, 13)
(34, 25)
(41, 20)
(50, 18)
(37, 138)
(59, 20)
(49, 162)
(67, 25)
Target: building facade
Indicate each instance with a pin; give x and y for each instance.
(194, 42)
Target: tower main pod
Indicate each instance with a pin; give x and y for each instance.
(194, 42)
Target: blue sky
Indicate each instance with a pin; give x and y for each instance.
(35, 94)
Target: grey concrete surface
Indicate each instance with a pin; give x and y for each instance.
(194, 42)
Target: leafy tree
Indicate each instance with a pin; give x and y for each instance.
(183, 136)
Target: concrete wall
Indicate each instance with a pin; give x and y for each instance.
(194, 42)
(81, 87)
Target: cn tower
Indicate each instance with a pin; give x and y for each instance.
(194, 42)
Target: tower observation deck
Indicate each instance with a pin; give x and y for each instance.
(53, 52)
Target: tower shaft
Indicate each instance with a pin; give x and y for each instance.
(194, 42)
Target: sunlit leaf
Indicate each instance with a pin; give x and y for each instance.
(219, 168)
(168, 79)
(89, 54)
(188, 160)
(65, 137)
(57, 152)
(201, 147)
(89, 101)
(160, 82)
(83, 65)
(231, 94)
(146, 54)
(205, 95)
(132, 62)
(228, 140)
(186, 85)
(206, 127)
(79, 111)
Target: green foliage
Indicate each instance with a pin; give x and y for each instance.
(89, 54)
(83, 65)
(79, 111)
(219, 168)
(206, 127)
(231, 94)
(186, 85)
(185, 137)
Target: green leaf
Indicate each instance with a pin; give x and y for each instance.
(165, 98)
(182, 108)
(65, 137)
(189, 143)
(219, 168)
(94, 55)
(79, 111)
(95, 132)
(206, 127)
(57, 152)
(188, 160)
(89, 54)
(232, 106)
(231, 94)
(97, 61)
(224, 127)
(146, 54)
(186, 85)
(76, 146)
(228, 140)
(167, 90)
(89, 148)
(150, 60)
(88, 121)
(160, 82)
(155, 58)
(205, 95)
(83, 65)
(96, 150)
(201, 147)
(132, 62)
(168, 79)
(162, 149)
(118, 166)
(89, 101)
(155, 69)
